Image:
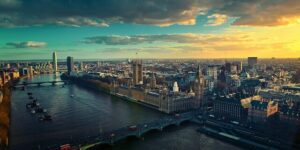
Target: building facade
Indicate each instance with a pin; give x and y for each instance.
(260, 111)
(229, 108)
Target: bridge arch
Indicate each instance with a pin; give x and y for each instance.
(101, 146)
(157, 129)
(184, 121)
(170, 125)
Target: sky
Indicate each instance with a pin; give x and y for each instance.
(104, 29)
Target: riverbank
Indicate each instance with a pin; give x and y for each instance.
(5, 116)
(106, 88)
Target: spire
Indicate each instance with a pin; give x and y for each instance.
(153, 76)
(199, 72)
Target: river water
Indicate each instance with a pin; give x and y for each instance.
(90, 113)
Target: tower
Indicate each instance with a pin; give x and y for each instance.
(70, 64)
(54, 57)
(175, 87)
(199, 86)
(252, 61)
(137, 71)
(153, 81)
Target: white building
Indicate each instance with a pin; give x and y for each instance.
(175, 87)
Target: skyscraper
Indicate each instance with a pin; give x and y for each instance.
(70, 64)
(137, 70)
(252, 61)
(54, 57)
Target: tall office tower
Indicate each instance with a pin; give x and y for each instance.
(54, 57)
(199, 86)
(137, 71)
(70, 64)
(252, 61)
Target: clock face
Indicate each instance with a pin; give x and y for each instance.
(201, 80)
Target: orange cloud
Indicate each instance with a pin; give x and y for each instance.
(216, 19)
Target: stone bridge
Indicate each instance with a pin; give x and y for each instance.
(38, 83)
(138, 130)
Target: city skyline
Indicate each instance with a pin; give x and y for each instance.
(152, 29)
(149, 74)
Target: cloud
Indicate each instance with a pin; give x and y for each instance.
(101, 13)
(260, 12)
(27, 44)
(170, 38)
(10, 3)
(216, 19)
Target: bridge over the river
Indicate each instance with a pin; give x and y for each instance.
(140, 129)
(39, 83)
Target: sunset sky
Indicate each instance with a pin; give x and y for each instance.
(33, 29)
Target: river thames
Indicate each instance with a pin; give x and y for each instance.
(89, 113)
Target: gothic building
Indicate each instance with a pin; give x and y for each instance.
(137, 72)
(199, 86)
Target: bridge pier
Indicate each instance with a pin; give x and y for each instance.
(112, 142)
(139, 133)
(161, 128)
(53, 83)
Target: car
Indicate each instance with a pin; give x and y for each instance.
(235, 122)
(211, 116)
(132, 128)
(65, 147)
